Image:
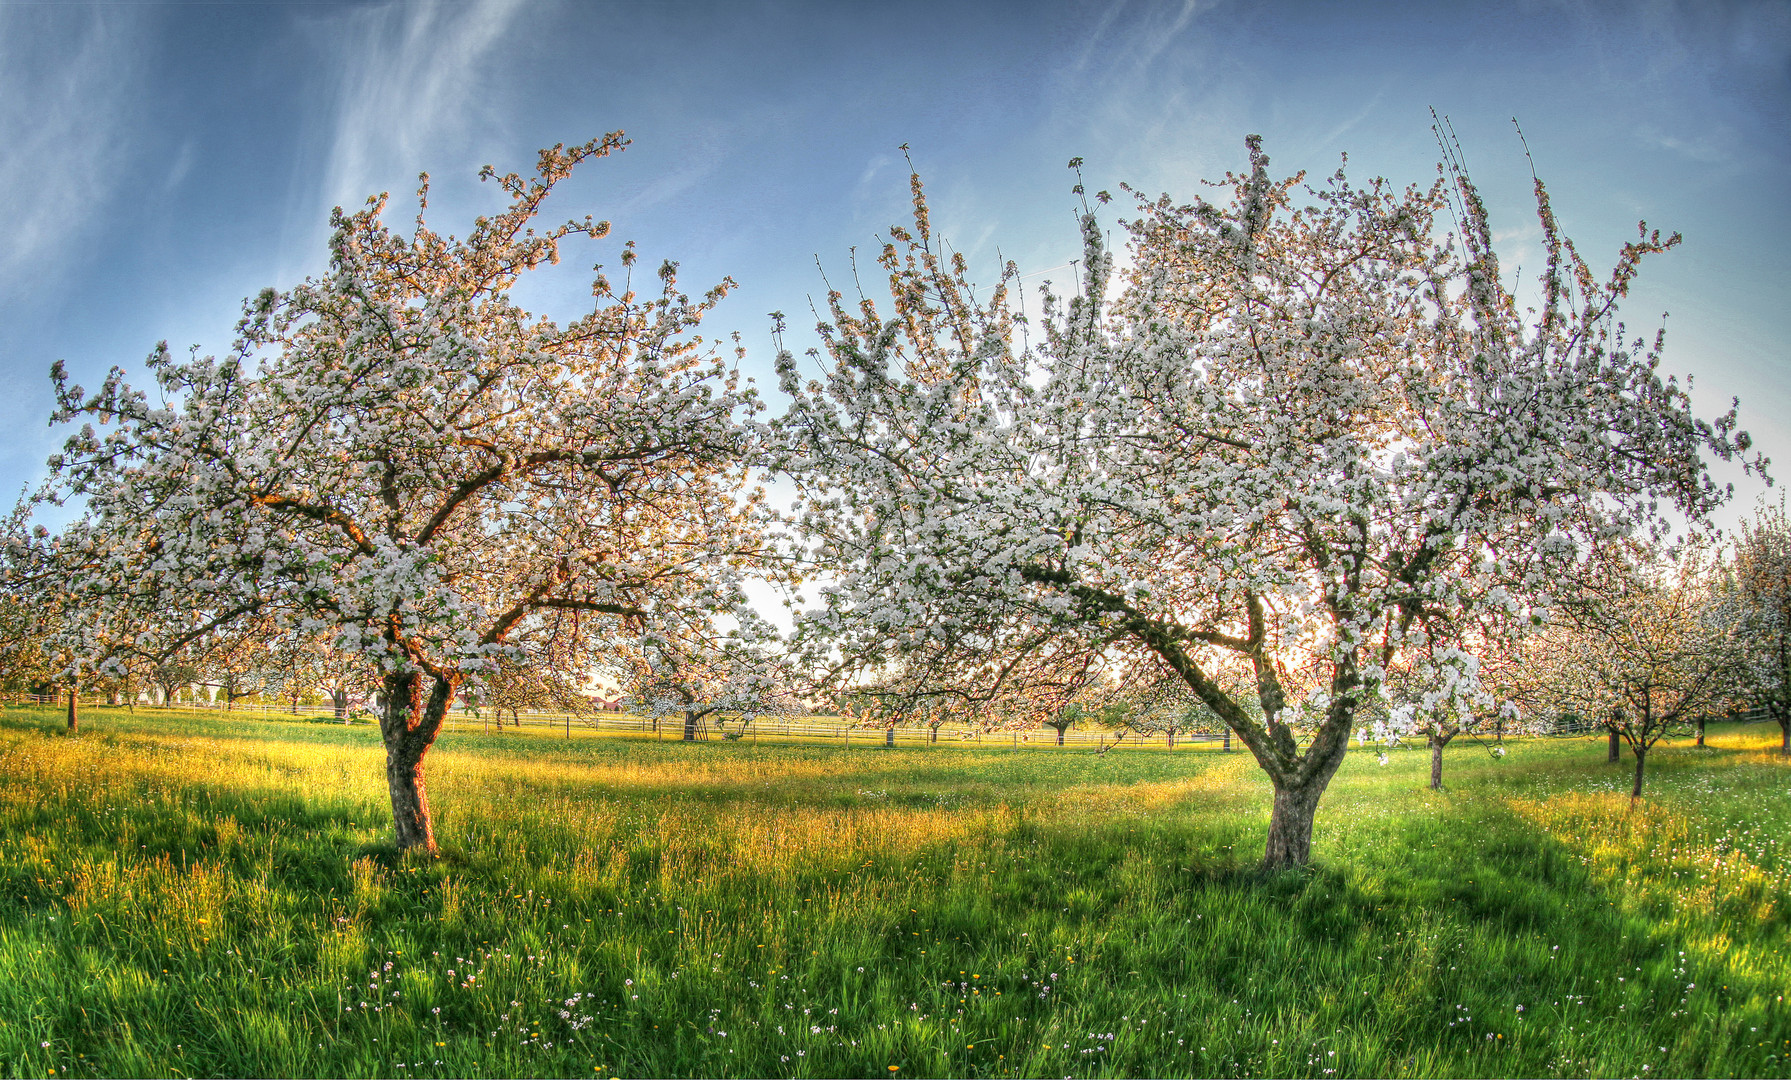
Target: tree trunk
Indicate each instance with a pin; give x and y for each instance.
(1298, 790)
(1060, 736)
(339, 699)
(409, 725)
(1700, 731)
(690, 723)
(1290, 826)
(1172, 738)
(1785, 736)
(1436, 762)
(889, 736)
(74, 711)
(1616, 752)
(1635, 792)
(1226, 745)
(112, 698)
(934, 737)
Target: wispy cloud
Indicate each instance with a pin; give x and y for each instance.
(65, 81)
(1351, 123)
(1160, 73)
(410, 86)
(1715, 146)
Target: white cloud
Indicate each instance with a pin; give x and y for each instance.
(66, 77)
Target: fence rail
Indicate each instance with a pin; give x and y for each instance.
(809, 729)
(826, 729)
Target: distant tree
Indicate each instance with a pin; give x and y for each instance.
(1311, 430)
(1064, 719)
(1147, 701)
(1759, 589)
(242, 660)
(534, 676)
(173, 672)
(696, 677)
(1410, 709)
(1645, 642)
(398, 455)
(71, 645)
(24, 666)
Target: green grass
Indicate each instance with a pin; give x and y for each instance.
(184, 896)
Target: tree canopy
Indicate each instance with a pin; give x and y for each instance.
(1310, 434)
(397, 454)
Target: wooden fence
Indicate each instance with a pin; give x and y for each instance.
(807, 729)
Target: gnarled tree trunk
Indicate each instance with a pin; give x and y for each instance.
(1297, 792)
(690, 725)
(410, 723)
(74, 711)
(889, 736)
(1700, 731)
(1635, 792)
(1616, 751)
(1290, 825)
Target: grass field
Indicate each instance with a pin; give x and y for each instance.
(212, 897)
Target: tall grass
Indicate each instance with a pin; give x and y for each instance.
(207, 896)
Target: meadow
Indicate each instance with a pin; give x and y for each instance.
(205, 896)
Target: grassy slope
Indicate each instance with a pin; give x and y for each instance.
(206, 897)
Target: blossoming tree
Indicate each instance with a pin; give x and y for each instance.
(736, 674)
(1308, 435)
(1759, 587)
(1646, 642)
(1412, 707)
(74, 645)
(395, 452)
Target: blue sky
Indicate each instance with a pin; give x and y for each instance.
(158, 162)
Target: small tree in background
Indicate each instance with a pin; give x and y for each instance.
(1758, 589)
(1486, 708)
(1645, 642)
(539, 673)
(695, 678)
(1064, 719)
